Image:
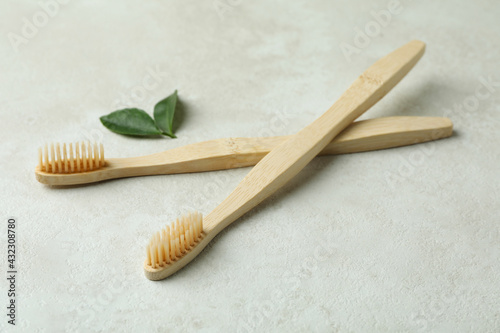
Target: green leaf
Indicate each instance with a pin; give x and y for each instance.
(134, 122)
(164, 114)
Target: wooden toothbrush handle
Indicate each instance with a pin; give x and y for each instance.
(230, 153)
(360, 136)
(286, 160)
(388, 132)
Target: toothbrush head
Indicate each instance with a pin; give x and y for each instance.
(72, 158)
(173, 243)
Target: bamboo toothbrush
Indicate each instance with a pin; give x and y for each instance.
(175, 246)
(85, 163)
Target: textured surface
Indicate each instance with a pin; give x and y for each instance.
(398, 240)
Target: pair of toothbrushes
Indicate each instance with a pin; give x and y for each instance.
(276, 159)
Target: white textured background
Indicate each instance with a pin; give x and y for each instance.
(402, 240)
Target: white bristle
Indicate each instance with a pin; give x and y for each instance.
(59, 161)
(101, 154)
(77, 154)
(46, 157)
(84, 157)
(65, 157)
(154, 259)
(172, 242)
(191, 237)
(183, 244)
(96, 155)
(90, 157)
(148, 254)
(57, 158)
(52, 157)
(166, 242)
(40, 158)
(159, 248)
(71, 158)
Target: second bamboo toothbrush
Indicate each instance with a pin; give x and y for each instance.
(176, 245)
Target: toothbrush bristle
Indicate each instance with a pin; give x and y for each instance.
(77, 157)
(175, 240)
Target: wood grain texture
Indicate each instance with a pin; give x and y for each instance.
(221, 154)
(291, 156)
